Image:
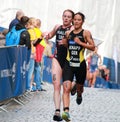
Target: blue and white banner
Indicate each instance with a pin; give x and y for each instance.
(47, 69)
(13, 71)
(47, 66)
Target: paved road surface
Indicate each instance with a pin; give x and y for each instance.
(99, 105)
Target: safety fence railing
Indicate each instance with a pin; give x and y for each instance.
(13, 74)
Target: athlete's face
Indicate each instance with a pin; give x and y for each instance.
(77, 21)
(67, 18)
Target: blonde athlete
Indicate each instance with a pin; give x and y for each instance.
(59, 58)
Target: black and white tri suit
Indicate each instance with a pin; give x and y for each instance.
(61, 49)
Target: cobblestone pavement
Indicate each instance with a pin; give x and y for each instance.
(99, 105)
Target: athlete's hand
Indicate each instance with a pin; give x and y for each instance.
(60, 42)
(77, 40)
(51, 56)
(63, 41)
(47, 36)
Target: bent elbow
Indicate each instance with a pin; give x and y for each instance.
(93, 48)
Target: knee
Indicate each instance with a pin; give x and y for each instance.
(66, 89)
(57, 86)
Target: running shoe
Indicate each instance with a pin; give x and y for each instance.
(57, 118)
(42, 89)
(79, 99)
(73, 91)
(66, 116)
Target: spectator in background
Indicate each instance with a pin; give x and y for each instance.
(13, 37)
(104, 72)
(34, 67)
(30, 25)
(39, 52)
(15, 21)
(25, 36)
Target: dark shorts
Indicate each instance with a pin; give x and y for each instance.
(79, 72)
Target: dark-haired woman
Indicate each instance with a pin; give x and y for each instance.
(75, 65)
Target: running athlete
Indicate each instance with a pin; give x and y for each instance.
(59, 58)
(93, 66)
(78, 40)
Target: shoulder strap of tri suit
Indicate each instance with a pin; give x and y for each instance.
(58, 27)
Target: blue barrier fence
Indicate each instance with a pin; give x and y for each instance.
(13, 71)
(46, 76)
(101, 83)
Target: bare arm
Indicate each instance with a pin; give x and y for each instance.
(100, 62)
(52, 33)
(89, 40)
